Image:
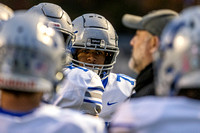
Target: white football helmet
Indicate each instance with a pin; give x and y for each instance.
(5, 12)
(178, 58)
(95, 32)
(30, 54)
(59, 19)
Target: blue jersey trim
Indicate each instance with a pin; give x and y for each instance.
(70, 67)
(122, 125)
(105, 82)
(107, 124)
(94, 88)
(82, 68)
(92, 101)
(15, 113)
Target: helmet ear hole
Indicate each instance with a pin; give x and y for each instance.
(67, 39)
(109, 58)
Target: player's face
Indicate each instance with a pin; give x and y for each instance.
(91, 56)
(141, 55)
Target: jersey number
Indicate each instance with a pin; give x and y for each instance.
(123, 77)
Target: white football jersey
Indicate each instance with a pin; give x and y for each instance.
(158, 115)
(49, 119)
(81, 89)
(118, 87)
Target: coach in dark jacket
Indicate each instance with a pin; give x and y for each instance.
(144, 44)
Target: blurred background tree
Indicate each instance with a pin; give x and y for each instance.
(113, 10)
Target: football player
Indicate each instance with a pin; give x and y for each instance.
(96, 48)
(81, 88)
(30, 56)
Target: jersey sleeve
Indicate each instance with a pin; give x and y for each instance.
(81, 90)
(92, 102)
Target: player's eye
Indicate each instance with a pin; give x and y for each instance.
(84, 51)
(99, 53)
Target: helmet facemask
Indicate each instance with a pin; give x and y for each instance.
(98, 45)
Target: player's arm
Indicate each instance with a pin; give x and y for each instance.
(92, 103)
